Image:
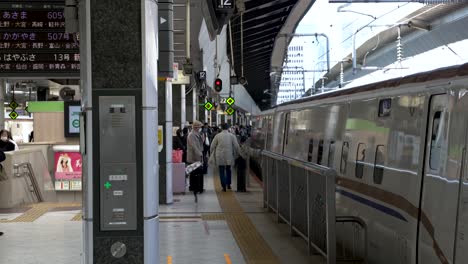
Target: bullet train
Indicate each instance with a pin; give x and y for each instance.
(399, 150)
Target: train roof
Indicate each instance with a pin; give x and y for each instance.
(441, 73)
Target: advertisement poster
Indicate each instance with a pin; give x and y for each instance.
(68, 166)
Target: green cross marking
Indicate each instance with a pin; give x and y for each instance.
(13, 105)
(230, 101)
(107, 185)
(208, 106)
(13, 115)
(230, 111)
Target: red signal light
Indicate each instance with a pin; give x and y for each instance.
(218, 85)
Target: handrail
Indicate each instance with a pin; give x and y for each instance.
(299, 163)
(327, 192)
(32, 178)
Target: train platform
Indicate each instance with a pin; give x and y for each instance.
(223, 227)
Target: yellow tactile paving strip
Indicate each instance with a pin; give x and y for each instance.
(77, 217)
(38, 210)
(251, 243)
(213, 217)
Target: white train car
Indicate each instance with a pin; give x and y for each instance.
(399, 148)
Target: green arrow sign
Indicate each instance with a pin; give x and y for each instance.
(208, 106)
(107, 185)
(230, 101)
(230, 111)
(13, 105)
(13, 115)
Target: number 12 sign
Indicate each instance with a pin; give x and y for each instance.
(225, 4)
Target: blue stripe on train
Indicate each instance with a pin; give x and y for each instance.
(372, 204)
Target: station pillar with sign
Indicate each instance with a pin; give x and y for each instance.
(118, 128)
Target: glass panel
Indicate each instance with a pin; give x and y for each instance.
(379, 164)
(344, 157)
(331, 154)
(311, 149)
(436, 141)
(360, 157)
(320, 153)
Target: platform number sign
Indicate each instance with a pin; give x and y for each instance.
(225, 4)
(202, 75)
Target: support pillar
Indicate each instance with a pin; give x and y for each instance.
(194, 104)
(168, 143)
(165, 72)
(118, 53)
(183, 114)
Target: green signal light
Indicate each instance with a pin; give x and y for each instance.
(13, 115)
(230, 101)
(208, 106)
(107, 185)
(230, 111)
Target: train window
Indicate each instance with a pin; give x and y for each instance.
(331, 154)
(436, 140)
(320, 152)
(379, 164)
(385, 107)
(344, 157)
(360, 158)
(311, 149)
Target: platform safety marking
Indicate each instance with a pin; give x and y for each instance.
(77, 217)
(253, 246)
(38, 210)
(227, 258)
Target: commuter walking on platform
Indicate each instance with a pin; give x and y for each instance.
(224, 150)
(5, 143)
(195, 154)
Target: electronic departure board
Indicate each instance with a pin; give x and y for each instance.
(33, 41)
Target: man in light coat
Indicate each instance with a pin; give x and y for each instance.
(194, 154)
(225, 149)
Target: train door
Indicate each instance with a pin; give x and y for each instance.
(439, 195)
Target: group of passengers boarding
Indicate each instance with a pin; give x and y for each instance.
(222, 147)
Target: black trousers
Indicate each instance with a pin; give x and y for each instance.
(241, 174)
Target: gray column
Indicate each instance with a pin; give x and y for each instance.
(168, 144)
(183, 118)
(165, 71)
(118, 53)
(194, 104)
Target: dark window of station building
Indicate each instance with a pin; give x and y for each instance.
(311, 149)
(320, 153)
(331, 154)
(379, 164)
(344, 157)
(360, 158)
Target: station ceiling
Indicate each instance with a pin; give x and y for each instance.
(262, 21)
